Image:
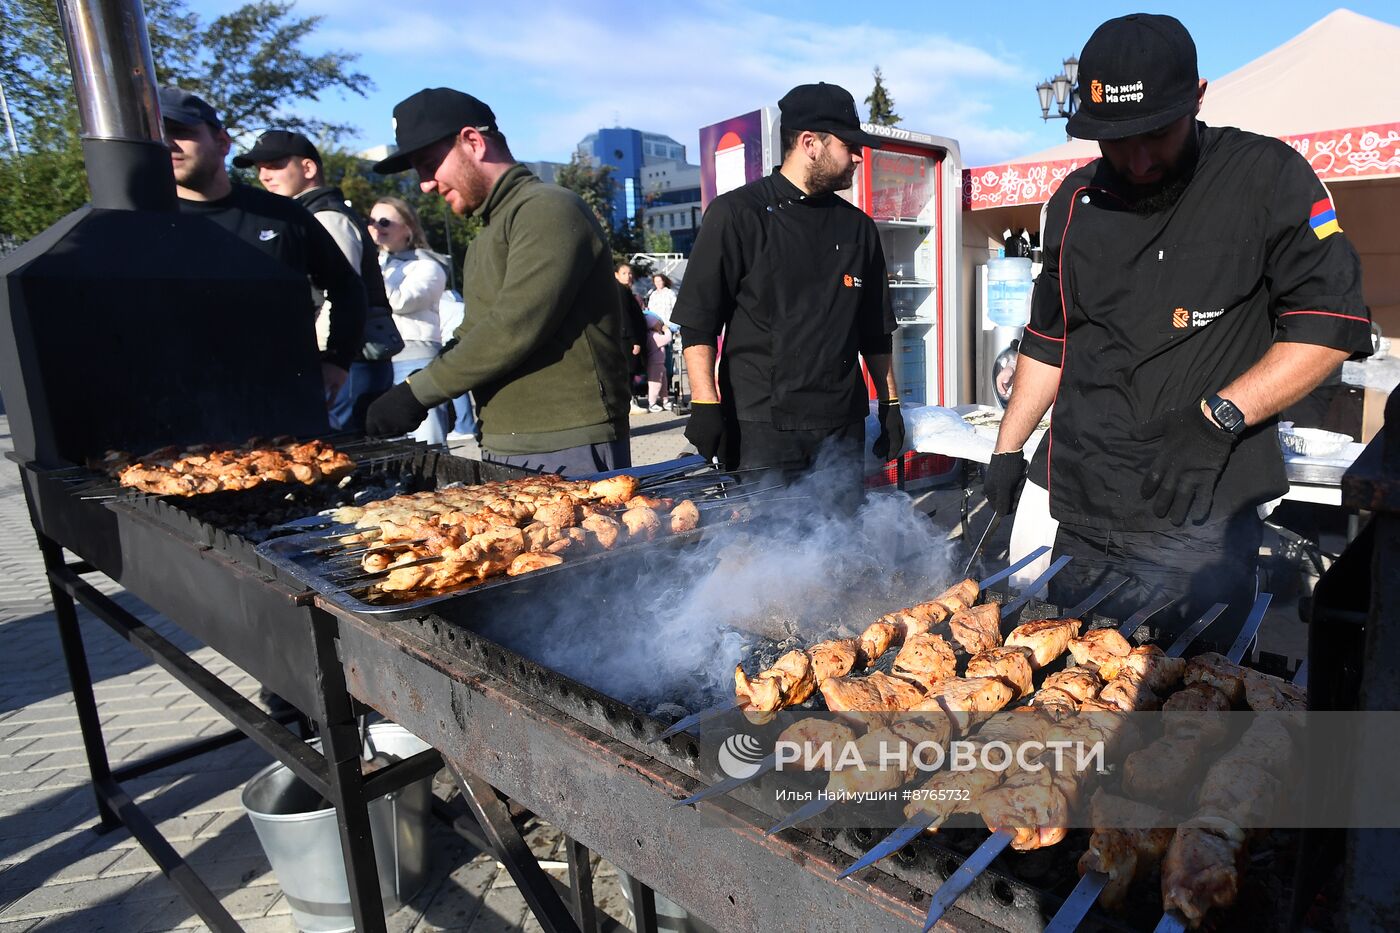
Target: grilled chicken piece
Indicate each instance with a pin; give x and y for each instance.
(875, 693)
(1202, 867)
(684, 517)
(532, 560)
(875, 641)
(1218, 671)
(815, 733)
(558, 514)
(615, 490)
(1011, 664)
(787, 683)
(977, 628)
(833, 658)
(1124, 854)
(1266, 743)
(1161, 770)
(960, 595)
(1047, 638)
(1030, 803)
(1197, 710)
(569, 538)
(1129, 692)
(949, 792)
(1055, 702)
(967, 695)
(1265, 694)
(879, 772)
(1160, 673)
(605, 530)
(1098, 645)
(1079, 682)
(1239, 790)
(643, 524)
(925, 659)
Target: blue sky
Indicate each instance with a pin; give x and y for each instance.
(556, 71)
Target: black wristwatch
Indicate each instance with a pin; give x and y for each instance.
(1226, 414)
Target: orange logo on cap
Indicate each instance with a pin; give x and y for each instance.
(1181, 318)
(1096, 95)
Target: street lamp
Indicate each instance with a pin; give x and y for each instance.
(1064, 89)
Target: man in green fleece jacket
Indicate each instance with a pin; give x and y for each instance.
(541, 345)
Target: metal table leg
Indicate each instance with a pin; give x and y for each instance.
(581, 884)
(643, 906)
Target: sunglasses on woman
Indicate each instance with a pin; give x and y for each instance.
(382, 222)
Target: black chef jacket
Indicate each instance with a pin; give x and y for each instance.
(798, 286)
(1149, 312)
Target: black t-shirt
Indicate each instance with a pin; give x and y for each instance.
(1148, 312)
(285, 230)
(798, 286)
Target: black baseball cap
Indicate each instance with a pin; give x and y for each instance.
(1137, 73)
(428, 116)
(278, 144)
(825, 108)
(185, 107)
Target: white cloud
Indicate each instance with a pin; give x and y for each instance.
(567, 70)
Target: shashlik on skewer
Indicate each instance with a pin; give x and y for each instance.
(206, 468)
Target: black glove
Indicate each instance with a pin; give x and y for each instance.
(396, 412)
(890, 443)
(1005, 475)
(1190, 458)
(706, 429)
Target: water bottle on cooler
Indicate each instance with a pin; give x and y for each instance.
(1009, 291)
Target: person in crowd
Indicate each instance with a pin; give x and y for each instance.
(635, 331)
(541, 346)
(1195, 282)
(278, 226)
(794, 275)
(658, 340)
(414, 279)
(662, 299)
(289, 164)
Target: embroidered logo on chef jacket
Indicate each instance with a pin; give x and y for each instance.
(1183, 318)
(266, 235)
(851, 281)
(1324, 219)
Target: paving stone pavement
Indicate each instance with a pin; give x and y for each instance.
(57, 873)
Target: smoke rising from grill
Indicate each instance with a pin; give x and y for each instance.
(666, 630)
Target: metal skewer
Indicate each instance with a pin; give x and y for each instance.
(695, 719)
(991, 529)
(962, 879)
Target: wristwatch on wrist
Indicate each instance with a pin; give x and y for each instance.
(1226, 414)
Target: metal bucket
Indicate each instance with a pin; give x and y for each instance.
(301, 838)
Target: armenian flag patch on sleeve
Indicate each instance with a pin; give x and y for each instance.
(1324, 219)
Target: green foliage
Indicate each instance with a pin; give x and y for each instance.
(881, 103)
(595, 184)
(658, 241)
(248, 64)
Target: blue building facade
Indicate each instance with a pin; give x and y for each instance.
(626, 151)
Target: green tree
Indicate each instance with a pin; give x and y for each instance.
(881, 103)
(593, 183)
(249, 64)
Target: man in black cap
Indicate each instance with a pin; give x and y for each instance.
(198, 147)
(540, 347)
(288, 164)
(794, 277)
(1195, 282)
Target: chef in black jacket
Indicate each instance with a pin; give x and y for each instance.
(794, 278)
(1195, 282)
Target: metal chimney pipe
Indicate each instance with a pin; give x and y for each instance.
(128, 165)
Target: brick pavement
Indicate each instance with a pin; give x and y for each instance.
(58, 874)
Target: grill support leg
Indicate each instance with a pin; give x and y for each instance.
(581, 884)
(340, 740)
(512, 852)
(80, 680)
(643, 905)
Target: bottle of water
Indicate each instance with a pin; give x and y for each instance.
(1009, 291)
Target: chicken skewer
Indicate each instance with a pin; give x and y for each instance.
(1148, 846)
(695, 719)
(928, 818)
(1136, 678)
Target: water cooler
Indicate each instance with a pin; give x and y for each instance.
(1003, 310)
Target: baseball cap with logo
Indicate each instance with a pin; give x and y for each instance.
(1137, 73)
(184, 107)
(278, 144)
(825, 108)
(431, 115)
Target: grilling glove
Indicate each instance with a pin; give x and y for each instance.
(395, 413)
(890, 443)
(1181, 480)
(1003, 479)
(706, 429)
